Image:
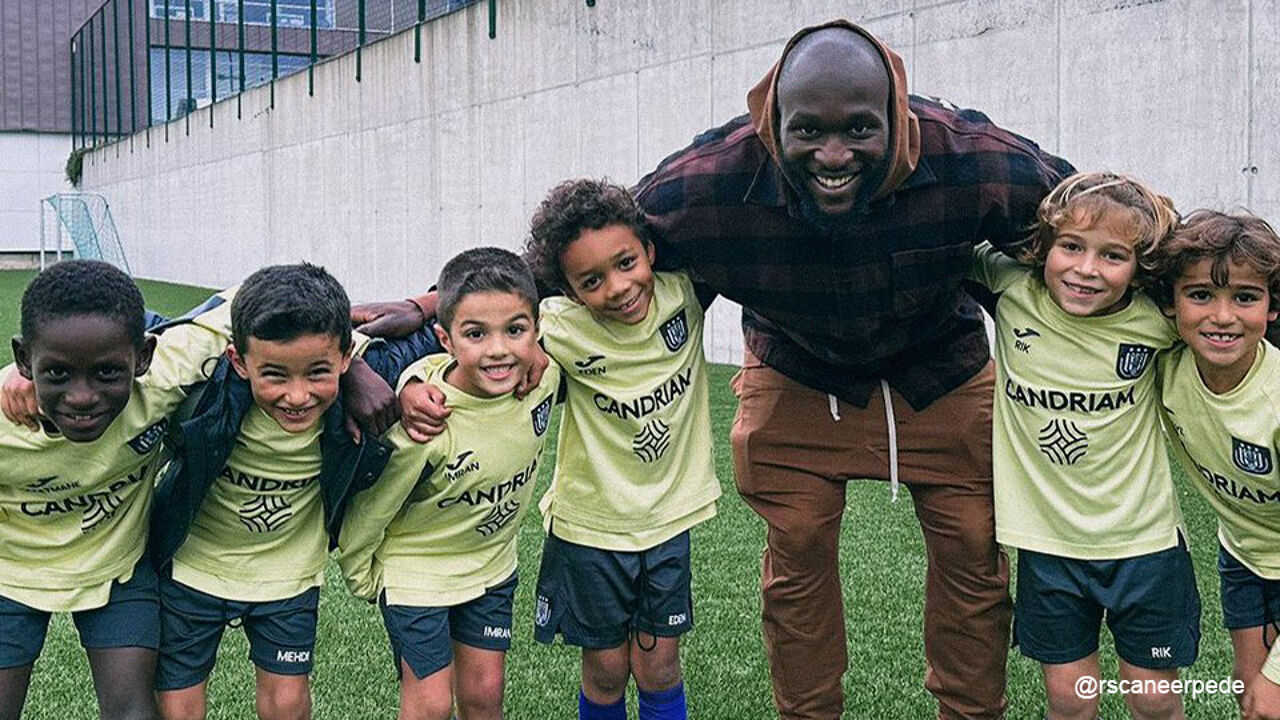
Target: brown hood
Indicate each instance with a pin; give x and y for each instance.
(762, 102)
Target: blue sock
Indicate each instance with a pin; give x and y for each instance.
(665, 705)
(588, 710)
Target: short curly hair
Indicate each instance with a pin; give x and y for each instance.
(283, 302)
(571, 207)
(83, 287)
(1083, 198)
(1241, 238)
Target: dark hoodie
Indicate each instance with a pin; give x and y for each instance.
(879, 298)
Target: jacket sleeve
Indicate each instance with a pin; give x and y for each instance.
(371, 511)
(390, 357)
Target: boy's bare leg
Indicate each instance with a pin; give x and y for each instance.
(283, 697)
(124, 680)
(1060, 685)
(183, 704)
(13, 691)
(429, 698)
(605, 673)
(657, 669)
(1156, 705)
(478, 682)
(1261, 697)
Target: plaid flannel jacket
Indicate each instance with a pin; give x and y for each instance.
(882, 299)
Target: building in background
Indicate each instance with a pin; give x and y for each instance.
(35, 113)
(78, 73)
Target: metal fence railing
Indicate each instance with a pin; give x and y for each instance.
(139, 63)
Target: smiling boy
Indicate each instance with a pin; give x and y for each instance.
(76, 492)
(435, 541)
(240, 534)
(1220, 281)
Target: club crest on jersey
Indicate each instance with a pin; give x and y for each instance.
(675, 332)
(1253, 459)
(147, 440)
(541, 416)
(1132, 360)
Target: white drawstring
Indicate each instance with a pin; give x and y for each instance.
(833, 407)
(893, 441)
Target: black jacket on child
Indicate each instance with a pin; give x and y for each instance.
(203, 433)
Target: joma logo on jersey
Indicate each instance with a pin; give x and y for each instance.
(1022, 341)
(675, 331)
(146, 441)
(1132, 360)
(493, 493)
(460, 467)
(541, 416)
(46, 486)
(589, 367)
(1253, 459)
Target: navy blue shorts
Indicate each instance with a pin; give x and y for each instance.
(131, 618)
(423, 636)
(1248, 600)
(595, 598)
(282, 633)
(1151, 604)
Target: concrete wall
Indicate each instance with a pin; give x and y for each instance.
(384, 179)
(31, 168)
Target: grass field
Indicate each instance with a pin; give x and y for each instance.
(882, 563)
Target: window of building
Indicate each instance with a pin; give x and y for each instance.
(223, 73)
(291, 13)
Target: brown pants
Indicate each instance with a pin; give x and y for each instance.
(792, 458)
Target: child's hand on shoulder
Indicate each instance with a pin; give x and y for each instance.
(536, 370)
(18, 401)
(370, 403)
(422, 411)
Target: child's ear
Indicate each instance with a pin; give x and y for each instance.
(145, 353)
(1272, 315)
(346, 361)
(21, 357)
(237, 362)
(443, 336)
(649, 252)
(1168, 311)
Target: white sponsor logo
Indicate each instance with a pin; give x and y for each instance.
(497, 632)
(678, 619)
(293, 656)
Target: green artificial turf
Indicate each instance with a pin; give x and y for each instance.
(882, 564)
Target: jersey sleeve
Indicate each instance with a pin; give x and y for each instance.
(372, 510)
(184, 350)
(994, 270)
